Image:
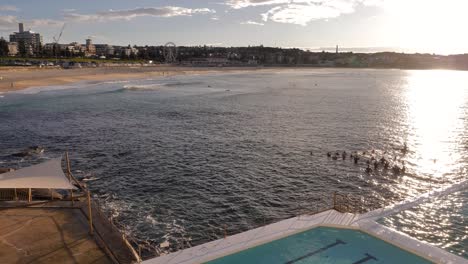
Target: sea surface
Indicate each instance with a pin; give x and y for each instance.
(184, 159)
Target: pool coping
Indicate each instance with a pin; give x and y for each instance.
(330, 218)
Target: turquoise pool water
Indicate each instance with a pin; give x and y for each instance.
(324, 245)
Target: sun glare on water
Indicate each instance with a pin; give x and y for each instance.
(435, 116)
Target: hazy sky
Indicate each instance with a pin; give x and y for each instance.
(408, 25)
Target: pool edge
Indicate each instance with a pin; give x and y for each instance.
(331, 218)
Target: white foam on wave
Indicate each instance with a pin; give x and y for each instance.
(175, 234)
(150, 219)
(39, 89)
(114, 82)
(76, 85)
(143, 87)
(112, 205)
(92, 178)
(155, 86)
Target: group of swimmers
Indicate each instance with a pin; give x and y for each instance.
(373, 163)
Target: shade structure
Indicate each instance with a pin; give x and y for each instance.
(47, 175)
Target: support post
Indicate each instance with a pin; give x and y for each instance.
(90, 216)
(347, 202)
(29, 195)
(16, 195)
(68, 166)
(334, 200)
(69, 174)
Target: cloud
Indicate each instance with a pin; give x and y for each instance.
(373, 2)
(11, 23)
(237, 4)
(250, 22)
(301, 12)
(43, 23)
(8, 22)
(216, 44)
(168, 11)
(8, 8)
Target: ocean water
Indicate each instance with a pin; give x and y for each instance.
(182, 158)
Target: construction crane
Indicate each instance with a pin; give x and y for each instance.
(56, 40)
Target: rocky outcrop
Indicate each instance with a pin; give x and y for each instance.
(30, 151)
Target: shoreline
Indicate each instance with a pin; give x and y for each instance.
(14, 79)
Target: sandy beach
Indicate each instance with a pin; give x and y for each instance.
(18, 78)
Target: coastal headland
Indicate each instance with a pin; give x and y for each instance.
(19, 78)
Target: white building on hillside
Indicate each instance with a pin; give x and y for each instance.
(29, 41)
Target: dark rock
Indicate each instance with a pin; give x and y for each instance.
(5, 170)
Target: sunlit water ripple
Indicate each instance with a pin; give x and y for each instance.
(179, 158)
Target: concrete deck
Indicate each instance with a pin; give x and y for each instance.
(330, 218)
(47, 235)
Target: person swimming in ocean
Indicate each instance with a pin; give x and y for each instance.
(343, 155)
(368, 169)
(356, 159)
(405, 148)
(386, 165)
(329, 154)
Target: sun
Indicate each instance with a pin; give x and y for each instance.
(430, 25)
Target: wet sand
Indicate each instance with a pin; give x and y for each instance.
(18, 78)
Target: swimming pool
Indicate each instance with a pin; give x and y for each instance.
(324, 245)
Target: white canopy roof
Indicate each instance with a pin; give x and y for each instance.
(47, 175)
